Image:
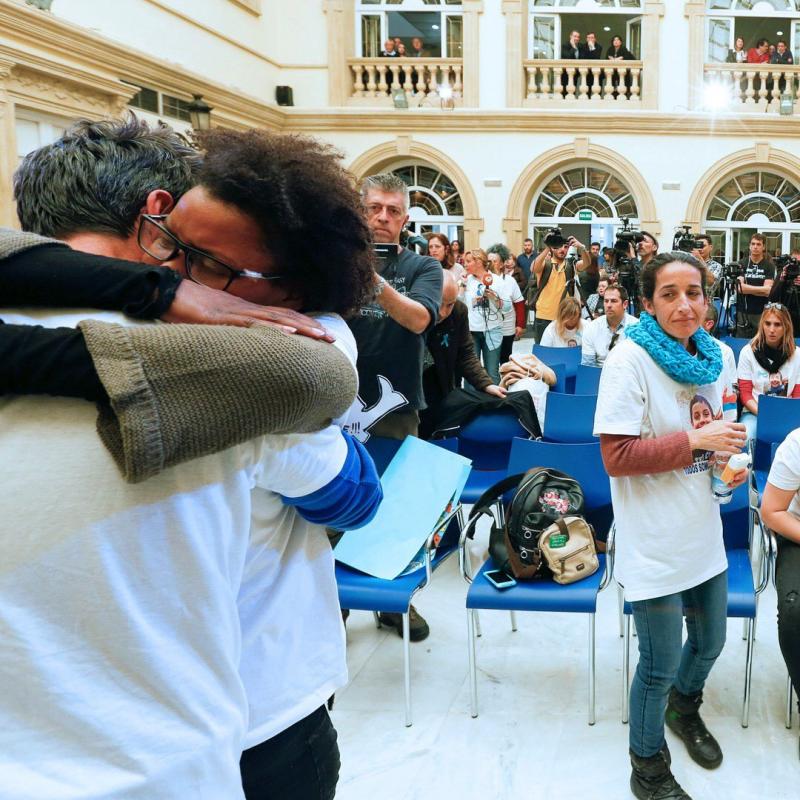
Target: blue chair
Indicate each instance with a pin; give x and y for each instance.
(742, 589)
(569, 356)
(358, 591)
(736, 344)
(561, 377)
(583, 462)
(587, 379)
(777, 418)
(486, 440)
(569, 418)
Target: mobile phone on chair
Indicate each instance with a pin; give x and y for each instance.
(499, 579)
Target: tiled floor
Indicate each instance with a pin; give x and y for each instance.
(532, 739)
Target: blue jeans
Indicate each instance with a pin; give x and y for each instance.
(664, 662)
(491, 357)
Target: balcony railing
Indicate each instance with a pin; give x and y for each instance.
(751, 87)
(376, 80)
(577, 83)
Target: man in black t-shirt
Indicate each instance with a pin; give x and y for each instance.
(390, 331)
(754, 286)
(390, 334)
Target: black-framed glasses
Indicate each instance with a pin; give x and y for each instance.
(201, 267)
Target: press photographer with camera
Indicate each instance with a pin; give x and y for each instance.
(703, 251)
(786, 290)
(753, 286)
(646, 248)
(553, 277)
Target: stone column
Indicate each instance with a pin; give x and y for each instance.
(472, 9)
(341, 45)
(651, 50)
(516, 29)
(695, 11)
(8, 146)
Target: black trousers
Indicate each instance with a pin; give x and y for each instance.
(787, 584)
(300, 763)
(506, 346)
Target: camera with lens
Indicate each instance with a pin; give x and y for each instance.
(733, 270)
(684, 240)
(627, 238)
(791, 265)
(554, 238)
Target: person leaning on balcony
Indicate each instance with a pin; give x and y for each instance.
(417, 48)
(618, 51)
(572, 48)
(592, 50)
(739, 53)
(389, 50)
(782, 54)
(760, 53)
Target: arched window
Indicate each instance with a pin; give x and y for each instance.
(587, 201)
(754, 201)
(436, 205)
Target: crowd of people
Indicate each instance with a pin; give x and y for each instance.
(168, 600)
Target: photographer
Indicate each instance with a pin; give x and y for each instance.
(553, 277)
(786, 290)
(704, 253)
(646, 249)
(754, 286)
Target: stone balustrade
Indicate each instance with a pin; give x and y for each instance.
(565, 84)
(375, 80)
(750, 87)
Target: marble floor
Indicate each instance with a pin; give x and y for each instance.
(531, 739)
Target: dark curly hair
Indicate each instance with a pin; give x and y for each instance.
(306, 205)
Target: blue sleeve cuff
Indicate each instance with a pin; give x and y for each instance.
(351, 499)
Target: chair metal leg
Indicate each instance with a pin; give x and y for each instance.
(621, 605)
(626, 669)
(473, 678)
(788, 702)
(377, 620)
(477, 624)
(748, 670)
(592, 684)
(407, 665)
(513, 620)
(745, 628)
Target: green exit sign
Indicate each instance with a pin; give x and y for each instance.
(585, 216)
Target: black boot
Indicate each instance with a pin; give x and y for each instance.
(683, 719)
(652, 779)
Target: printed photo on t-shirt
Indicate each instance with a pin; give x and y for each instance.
(778, 385)
(700, 413)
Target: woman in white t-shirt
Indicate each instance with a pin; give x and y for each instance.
(657, 385)
(485, 306)
(505, 285)
(566, 330)
(780, 510)
(769, 364)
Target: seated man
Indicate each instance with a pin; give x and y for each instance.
(161, 694)
(601, 335)
(451, 356)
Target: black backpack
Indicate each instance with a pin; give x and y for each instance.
(542, 496)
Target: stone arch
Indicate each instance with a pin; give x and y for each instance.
(758, 156)
(558, 158)
(385, 156)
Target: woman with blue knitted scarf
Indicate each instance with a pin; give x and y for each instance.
(660, 421)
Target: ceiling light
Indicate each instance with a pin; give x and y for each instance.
(606, 29)
(435, 27)
(779, 33)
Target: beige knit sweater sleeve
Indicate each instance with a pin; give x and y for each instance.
(178, 392)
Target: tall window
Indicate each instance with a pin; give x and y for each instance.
(552, 21)
(432, 28)
(755, 201)
(587, 201)
(436, 205)
(750, 20)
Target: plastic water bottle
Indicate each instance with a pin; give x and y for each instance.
(723, 473)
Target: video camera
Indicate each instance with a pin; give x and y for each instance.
(684, 240)
(791, 265)
(554, 238)
(621, 259)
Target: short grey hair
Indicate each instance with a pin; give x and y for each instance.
(386, 182)
(98, 174)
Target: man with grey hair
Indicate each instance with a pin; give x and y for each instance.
(390, 332)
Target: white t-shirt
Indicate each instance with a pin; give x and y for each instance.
(508, 289)
(484, 316)
(293, 639)
(118, 605)
(597, 336)
(780, 383)
(730, 383)
(669, 532)
(785, 470)
(571, 338)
